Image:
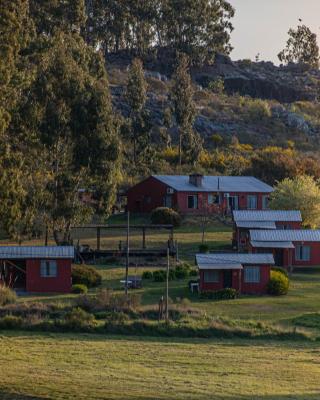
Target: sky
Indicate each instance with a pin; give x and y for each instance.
(261, 26)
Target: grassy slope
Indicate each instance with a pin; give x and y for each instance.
(86, 367)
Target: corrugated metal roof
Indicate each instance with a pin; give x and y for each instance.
(220, 266)
(256, 224)
(272, 245)
(43, 252)
(233, 258)
(283, 235)
(267, 215)
(223, 184)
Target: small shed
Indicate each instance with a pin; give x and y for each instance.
(38, 269)
(246, 273)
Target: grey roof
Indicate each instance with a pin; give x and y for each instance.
(43, 252)
(216, 184)
(221, 266)
(283, 235)
(256, 224)
(267, 215)
(207, 260)
(272, 245)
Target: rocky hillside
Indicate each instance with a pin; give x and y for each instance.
(259, 103)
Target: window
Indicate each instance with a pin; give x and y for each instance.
(303, 253)
(252, 202)
(167, 201)
(193, 201)
(211, 276)
(213, 198)
(147, 199)
(265, 202)
(252, 274)
(48, 269)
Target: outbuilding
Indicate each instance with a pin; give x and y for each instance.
(246, 273)
(244, 220)
(299, 247)
(37, 269)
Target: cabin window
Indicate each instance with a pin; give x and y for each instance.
(147, 199)
(211, 276)
(252, 202)
(265, 202)
(303, 253)
(193, 201)
(48, 268)
(213, 198)
(251, 274)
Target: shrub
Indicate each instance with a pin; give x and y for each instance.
(203, 248)
(147, 275)
(84, 275)
(85, 302)
(182, 271)
(224, 294)
(11, 322)
(166, 216)
(77, 318)
(217, 86)
(79, 288)
(193, 272)
(159, 276)
(258, 110)
(281, 270)
(278, 284)
(7, 296)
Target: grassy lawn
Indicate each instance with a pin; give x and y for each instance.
(99, 367)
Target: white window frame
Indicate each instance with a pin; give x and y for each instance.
(215, 276)
(265, 202)
(249, 198)
(213, 198)
(48, 269)
(301, 254)
(252, 274)
(195, 201)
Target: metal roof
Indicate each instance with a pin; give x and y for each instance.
(272, 245)
(267, 215)
(43, 252)
(207, 260)
(256, 224)
(220, 266)
(216, 184)
(284, 235)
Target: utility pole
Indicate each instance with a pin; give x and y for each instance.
(127, 253)
(167, 285)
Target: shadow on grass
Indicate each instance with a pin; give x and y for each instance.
(15, 396)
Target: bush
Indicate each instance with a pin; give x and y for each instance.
(79, 289)
(182, 271)
(85, 302)
(7, 296)
(147, 275)
(281, 270)
(11, 322)
(258, 110)
(224, 294)
(278, 284)
(159, 275)
(77, 318)
(165, 216)
(84, 275)
(203, 248)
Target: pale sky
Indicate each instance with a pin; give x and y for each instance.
(261, 26)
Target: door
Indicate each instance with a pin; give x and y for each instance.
(278, 257)
(227, 279)
(233, 203)
(168, 201)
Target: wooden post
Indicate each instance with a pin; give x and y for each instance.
(167, 285)
(127, 254)
(143, 237)
(98, 237)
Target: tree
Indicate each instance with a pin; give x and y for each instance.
(300, 193)
(139, 124)
(184, 112)
(301, 47)
(69, 118)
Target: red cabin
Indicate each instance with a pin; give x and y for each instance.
(289, 247)
(245, 220)
(37, 269)
(197, 194)
(246, 273)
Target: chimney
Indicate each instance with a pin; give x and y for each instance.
(196, 179)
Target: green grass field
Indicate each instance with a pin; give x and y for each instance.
(98, 367)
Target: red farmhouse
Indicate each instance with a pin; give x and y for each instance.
(289, 247)
(245, 220)
(37, 268)
(247, 273)
(196, 194)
